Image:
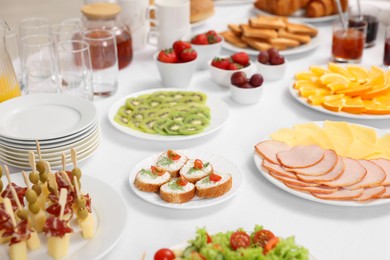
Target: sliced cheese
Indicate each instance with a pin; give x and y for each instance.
(33, 242)
(316, 133)
(87, 226)
(363, 133)
(18, 251)
(360, 149)
(57, 247)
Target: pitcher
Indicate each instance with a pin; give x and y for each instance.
(9, 86)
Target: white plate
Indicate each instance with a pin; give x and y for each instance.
(25, 117)
(233, 2)
(315, 41)
(319, 108)
(218, 109)
(111, 211)
(299, 15)
(220, 165)
(199, 23)
(258, 162)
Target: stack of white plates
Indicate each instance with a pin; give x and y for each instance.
(58, 122)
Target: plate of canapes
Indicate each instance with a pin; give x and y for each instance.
(53, 215)
(185, 179)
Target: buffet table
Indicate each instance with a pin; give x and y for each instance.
(329, 232)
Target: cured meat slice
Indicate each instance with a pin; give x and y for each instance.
(370, 193)
(324, 166)
(341, 194)
(269, 148)
(386, 194)
(385, 165)
(374, 177)
(277, 168)
(353, 173)
(322, 189)
(291, 180)
(330, 176)
(301, 156)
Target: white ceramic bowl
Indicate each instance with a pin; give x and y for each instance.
(271, 72)
(206, 52)
(175, 75)
(246, 96)
(222, 77)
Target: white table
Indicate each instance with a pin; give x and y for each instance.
(329, 232)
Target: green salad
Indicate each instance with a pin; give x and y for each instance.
(260, 244)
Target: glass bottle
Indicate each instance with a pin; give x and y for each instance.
(9, 86)
(105, 16)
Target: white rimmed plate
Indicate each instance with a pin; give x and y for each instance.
(300, 15)
(315, 41)
(218, 109)
(111, 211)
(220, 165)
(233, 2)
(25, 117)
(305, 195)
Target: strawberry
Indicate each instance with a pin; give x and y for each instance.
(200, 39)
(220, 63)
(179, 46)
(241, 58)
(212, 37)
(188, 55)
(234, 66)
(167, 56)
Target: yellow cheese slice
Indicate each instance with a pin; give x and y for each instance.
(316, 133)
(363, 133)
(360, 149)
(383, 143)
(286, 135)
(337, 128)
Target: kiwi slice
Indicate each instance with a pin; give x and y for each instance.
(142, 108)
(150, 113)
(161, 94)
(178, 94)
(164, 105)
(201, 110)
(198, 97)
(122, 120)
(147, 124)
(158, 126)
(171, 102)
(189, 99)
(163, 113)
(137, 115)
(154, 102)
(135, 124)
(133, 103)
(124, 111)
(172, 127)
(197, 120)
(190, 129)
(177, 116)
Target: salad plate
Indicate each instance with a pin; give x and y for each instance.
(111, 215)
(258, 160)
(218, 109)
(220, 165)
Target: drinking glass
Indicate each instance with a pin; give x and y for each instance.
(33, 25)
(348, 43)
(66, 32)
(75, 68)
(39, 64)
(386, 54)
(12, 44)
(102, 45)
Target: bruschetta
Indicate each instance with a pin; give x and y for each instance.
(150, 180)
(177, 190)
(172, 162)
(214, 185)
(196, 169)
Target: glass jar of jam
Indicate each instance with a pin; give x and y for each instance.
(105, 16)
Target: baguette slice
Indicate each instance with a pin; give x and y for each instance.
(173, 193)
(194, 175)
(267, 22)
(148, 181)
(258, 33)
(301, 29)
(171, 166)
(231, 38)
(235, 28)
(210, 189)
(256, 44)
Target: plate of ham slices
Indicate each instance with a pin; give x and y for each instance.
(323, 175)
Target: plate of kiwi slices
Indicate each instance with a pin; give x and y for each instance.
(168, 114)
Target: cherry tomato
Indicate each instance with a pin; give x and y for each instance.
(173, 155)
(215, 177)
(182, 181)
(209, 240)
(239, 239)
(262, 237)
(164, 254)
(271, 244)
(198, 164)
(157, 170)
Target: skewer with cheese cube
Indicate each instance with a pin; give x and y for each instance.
(84, 216)
(34, 177)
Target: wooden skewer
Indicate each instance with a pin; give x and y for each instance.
(62, 201)
(76, 186)
(26, 180)
(38, 150)
(48, 168)
(66, 177)
(10, 211)
(31, 159)
(73, 156)
(63, 157)
(53, 183)
(13, 191)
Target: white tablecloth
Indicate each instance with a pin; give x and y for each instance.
(329, 232)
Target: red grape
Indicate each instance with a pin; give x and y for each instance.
(272, 52)
(246, 85)
(277, 60)
(256, 80)
(263, 57)
(238, 78)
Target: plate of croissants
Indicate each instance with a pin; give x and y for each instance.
(311, 11)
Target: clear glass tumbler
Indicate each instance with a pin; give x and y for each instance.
(33, 25)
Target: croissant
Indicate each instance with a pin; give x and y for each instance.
(319, 8)
(279, 7)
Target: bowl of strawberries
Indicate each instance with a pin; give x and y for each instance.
(176, 65)
(222, 68)
(207, 45)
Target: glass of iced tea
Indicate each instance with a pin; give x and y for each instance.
(348, 43)
(369, 14)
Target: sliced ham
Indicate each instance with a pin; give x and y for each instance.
(386, 194)
(330, 176)
(371, 193)
(374, 177)
(269, 148)
(353, 173)
(341, 194)
(322, 189)
(301, 156)
(385, 165)
(291, 180)
(323, 167)
(277, 168)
